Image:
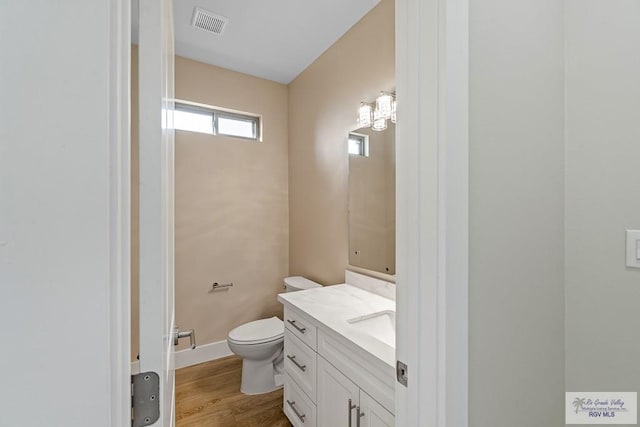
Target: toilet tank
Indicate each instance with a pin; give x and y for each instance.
(299, 283)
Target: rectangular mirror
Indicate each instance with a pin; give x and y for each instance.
(372, 199)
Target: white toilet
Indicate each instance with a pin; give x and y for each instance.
(260, 344)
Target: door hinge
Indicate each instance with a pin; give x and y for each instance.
(145, 399)
(402, 373)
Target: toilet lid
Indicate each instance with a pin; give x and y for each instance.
(258, 331)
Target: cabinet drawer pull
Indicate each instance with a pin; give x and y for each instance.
(293, 323)
(303, 368)
(293, 408)
(358, 416)
(351, 408)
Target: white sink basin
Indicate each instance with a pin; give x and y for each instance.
(380, 325)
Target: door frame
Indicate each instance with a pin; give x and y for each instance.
(119, 311)
(432, 51)
(432, 72)
(156, 205)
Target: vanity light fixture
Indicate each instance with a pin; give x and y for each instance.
(376, 118)
(393, 111)
(383, 106)
(365, 115)
(379, 124)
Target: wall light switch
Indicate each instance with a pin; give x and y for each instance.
(633, 248)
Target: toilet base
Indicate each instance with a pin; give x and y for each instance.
(259, 377)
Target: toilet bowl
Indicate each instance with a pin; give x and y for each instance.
(260, 344)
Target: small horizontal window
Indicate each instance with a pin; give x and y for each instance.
(196, 118)
(236, 125)
(194, 121)
(358, 145)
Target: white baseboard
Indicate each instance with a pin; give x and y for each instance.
(201, 354)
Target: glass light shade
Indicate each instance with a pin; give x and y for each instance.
(379, 124)
(365, 115)
(383, 105)
(393, 111)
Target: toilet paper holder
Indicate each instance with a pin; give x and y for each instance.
(217, 286)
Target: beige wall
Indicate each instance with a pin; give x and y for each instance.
(323, 101)
(231, 206)
(516, 214)
(231, 203)
(603, 188)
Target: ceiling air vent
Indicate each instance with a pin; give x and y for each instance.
(208, 21)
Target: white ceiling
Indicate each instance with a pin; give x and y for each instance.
(272, 39)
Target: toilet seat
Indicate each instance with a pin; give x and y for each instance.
(258, 332)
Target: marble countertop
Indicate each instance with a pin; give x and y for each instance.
(332, 306)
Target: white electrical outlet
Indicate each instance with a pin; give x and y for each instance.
(633, 248)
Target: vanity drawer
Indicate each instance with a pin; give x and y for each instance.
(300, 364)
(300, 410)
(301, 327)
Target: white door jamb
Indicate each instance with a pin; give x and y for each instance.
(120, 212)
(432, 70)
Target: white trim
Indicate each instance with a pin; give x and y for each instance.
(201, 354)
(216, 108)
(156, 207)
(120, 212)
(432, 211)
(455, 189)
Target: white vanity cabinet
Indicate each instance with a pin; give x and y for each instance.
(329, 382)
(298, 407)
(300, 366)
(341, 403)
(338, 396)
(372, 414)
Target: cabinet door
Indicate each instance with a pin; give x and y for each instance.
(337, 397)
(372, 414)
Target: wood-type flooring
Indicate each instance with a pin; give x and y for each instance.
(208, 395)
